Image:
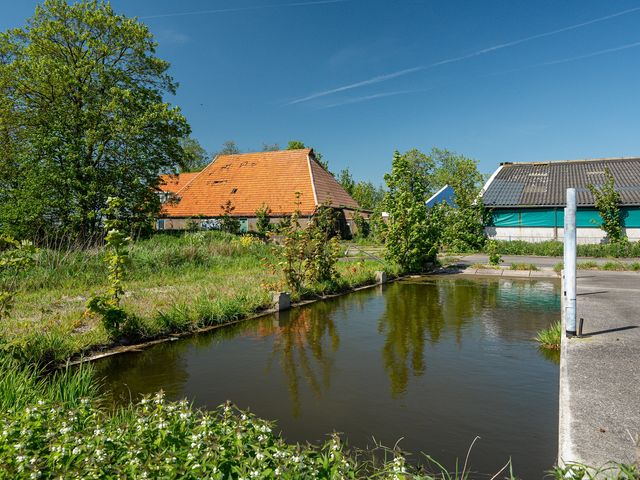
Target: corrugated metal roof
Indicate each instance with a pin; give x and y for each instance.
(545, 183)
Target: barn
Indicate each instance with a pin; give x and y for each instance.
(526, 200)
(282, 181)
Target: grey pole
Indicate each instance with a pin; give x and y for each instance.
(570, 262)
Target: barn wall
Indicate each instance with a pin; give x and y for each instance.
(542, 234)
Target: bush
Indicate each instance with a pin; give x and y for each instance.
(553, 248)
(492, 250)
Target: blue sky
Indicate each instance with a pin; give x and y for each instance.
(509, 80)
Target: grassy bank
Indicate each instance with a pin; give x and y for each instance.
(175, 284)
(554, 249)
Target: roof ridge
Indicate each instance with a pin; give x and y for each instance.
(312, 178)
(271, 152)
(580, 160)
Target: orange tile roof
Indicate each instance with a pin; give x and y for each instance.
(175, 181)
(250, 180)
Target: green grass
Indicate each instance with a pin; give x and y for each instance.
(23, 385)
(549, 338)
(176, 283)
(523, 266)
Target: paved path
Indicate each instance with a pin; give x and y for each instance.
(600, 373)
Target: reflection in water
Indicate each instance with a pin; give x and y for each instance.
(436, 361)
(302, 336)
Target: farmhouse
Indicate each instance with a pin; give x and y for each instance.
(283, 181)
(527, 200)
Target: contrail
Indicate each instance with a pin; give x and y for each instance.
(589, 55)
(503, 72)
(242, 9)
(378, 79)
(389, 76)
(372, 97)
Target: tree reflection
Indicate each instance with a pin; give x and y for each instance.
(419, 311)
(305, 342)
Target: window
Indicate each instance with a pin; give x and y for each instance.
(160, 225)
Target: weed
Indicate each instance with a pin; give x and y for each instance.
(523, 266)
(550, 337)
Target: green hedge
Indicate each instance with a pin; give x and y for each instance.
(554, 249)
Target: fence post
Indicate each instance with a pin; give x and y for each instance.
(570, 262)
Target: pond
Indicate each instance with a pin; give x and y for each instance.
(431, 363)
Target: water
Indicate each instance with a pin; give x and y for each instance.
(435, 361)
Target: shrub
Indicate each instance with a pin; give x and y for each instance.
(494, 257)
(263, 221)
(15, 258)
(114, 318)
(310, 254)
(229, 223)
(362, 224)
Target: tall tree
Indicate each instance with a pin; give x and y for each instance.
(194, 158)
(295, 145)
(456, 170)
(607, 201)
(228, 148)
(461, 227)
(266, 147)
(411, 239)
(82, 118)
(346, 180)
(367, 195)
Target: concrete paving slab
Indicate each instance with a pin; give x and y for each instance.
(489, 272)
(516, 273)
(544, 273)
(600, 373)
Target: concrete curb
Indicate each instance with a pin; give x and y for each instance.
(502, 272)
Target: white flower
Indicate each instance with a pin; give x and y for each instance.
(254, 474)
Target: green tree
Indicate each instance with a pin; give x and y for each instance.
(295, 145)
(228, 148)
(195, 158)
(456, 170)
(607, 202)
(461, 226)
(270, 147)
(346, 180)
(82, 118)
(368, 196)
(411, 239)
